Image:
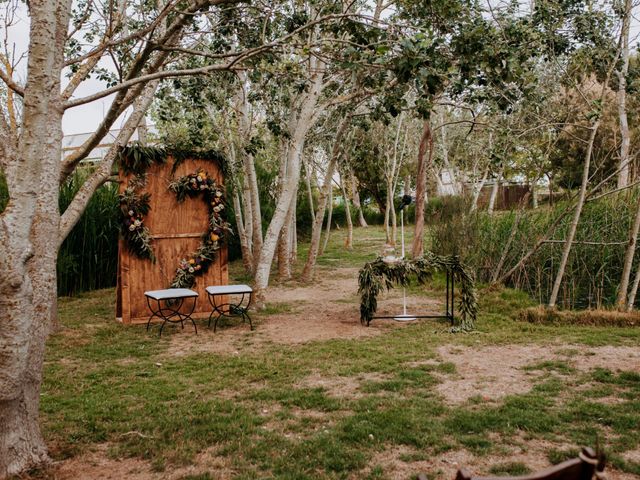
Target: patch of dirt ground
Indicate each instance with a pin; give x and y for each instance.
(97, 465)
(341, 387)
(397, 462)
(493, 372)
(328, 309)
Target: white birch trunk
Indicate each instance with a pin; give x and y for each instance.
(284, 270)
(251, 196)
(478, 189)
(623, 166)
(285, 244)
(621, 301)
(348, 241)
(634, 290)
(301, 122)
(356, 200)
(242, 234)
(494, 192)
(27, 259)
(457, 189)
(327, 234)
(307, 181)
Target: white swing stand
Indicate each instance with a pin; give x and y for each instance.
(405, 317)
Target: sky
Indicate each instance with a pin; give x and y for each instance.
(86, 118)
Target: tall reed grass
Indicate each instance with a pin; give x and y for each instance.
(593, 272)
(88, 258)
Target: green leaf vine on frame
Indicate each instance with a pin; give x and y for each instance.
(376, 276)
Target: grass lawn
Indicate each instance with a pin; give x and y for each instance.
(368, 407)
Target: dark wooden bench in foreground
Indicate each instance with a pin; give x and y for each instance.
(587, 466)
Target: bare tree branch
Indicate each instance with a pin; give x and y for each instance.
(103, 172)
(113, 43)
(6, 78)
(242, 56)
(125, 97)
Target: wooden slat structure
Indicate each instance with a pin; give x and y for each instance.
(176, 229)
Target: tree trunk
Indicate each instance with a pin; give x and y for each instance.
(623, 166)
(247, 217)
(251, 196)
(307, 179)
(576, 217)
(621, 301)
(393, 218)
(348, 241)
(256, 209)
(426, 141)
(300, 123)
(293, 243)
(245, 248)
(406, 185)
(328, 227)
(457, 190)
(28, 226)
(387, 215)
(316, 228)
(478, 189)
(356, 201)
(284, 267)
(494, 192)
(634, 290)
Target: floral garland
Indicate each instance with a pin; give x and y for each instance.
(194, 184)
(133, 208)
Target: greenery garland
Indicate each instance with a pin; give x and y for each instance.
(377, 275)
(137, 158)
(133, 208)
(194, 184)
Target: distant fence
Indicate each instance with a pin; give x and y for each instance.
(509, 196)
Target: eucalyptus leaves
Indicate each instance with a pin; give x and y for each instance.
(378, 275)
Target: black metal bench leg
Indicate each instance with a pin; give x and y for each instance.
(215, 323)
(189, 316)
(246, 314)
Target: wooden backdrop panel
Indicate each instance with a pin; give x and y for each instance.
(176, 229)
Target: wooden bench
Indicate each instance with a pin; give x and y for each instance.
(230, 308)
(587, 466)
(173, 298)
